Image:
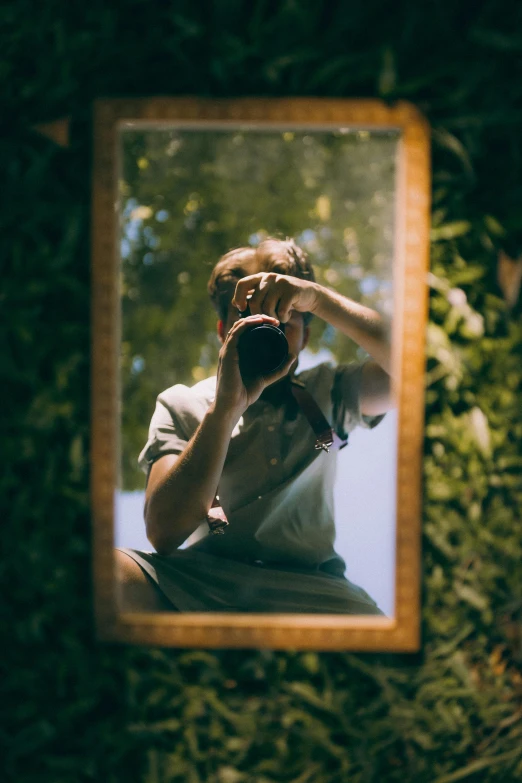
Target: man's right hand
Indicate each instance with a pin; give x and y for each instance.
(181, 488)
(232, 394)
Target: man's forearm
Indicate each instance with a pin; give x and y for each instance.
(362, 324)
(178, 502)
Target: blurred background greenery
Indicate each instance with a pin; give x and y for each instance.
(76, 710)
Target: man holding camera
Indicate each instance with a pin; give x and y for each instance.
(246, 439)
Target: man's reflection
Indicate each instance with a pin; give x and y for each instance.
(248, 441)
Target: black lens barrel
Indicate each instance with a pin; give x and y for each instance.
(262, 349)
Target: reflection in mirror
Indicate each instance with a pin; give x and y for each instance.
(309, 531)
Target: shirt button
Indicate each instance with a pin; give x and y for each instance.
(271, 428)
(273, 461)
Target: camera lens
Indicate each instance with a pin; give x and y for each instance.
(262, 350)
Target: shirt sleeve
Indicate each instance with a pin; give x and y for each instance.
(347, 402)
(167, 435)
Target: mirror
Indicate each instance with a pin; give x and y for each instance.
(322, 546)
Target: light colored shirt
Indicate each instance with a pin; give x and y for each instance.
(276, 488)
(277, 555)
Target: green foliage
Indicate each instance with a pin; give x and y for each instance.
(187, 198)
(77, 710)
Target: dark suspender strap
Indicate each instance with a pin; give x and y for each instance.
(326, 438)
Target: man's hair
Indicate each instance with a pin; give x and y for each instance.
(282, 256)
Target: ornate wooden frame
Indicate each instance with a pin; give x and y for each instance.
(320, 632)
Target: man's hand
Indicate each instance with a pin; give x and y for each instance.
(275, 295)
(233, 397)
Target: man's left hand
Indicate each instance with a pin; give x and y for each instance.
(275, 295)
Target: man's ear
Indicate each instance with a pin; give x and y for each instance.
(306, 336)
(221, 331)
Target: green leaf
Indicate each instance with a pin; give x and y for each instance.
(493, 226)
(388, 74)
(445, 139)
(457, 228)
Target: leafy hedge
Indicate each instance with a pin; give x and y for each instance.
(75, 710)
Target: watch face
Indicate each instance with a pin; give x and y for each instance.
(217, 520)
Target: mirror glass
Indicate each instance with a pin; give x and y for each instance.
(187, 195)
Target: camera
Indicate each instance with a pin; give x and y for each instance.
(262, 349)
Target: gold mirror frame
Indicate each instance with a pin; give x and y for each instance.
(213, 630)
